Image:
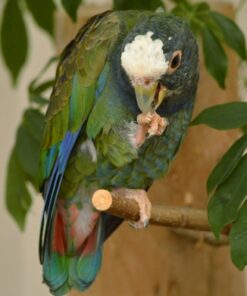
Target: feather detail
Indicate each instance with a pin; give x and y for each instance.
(53, 187)
(89, 143)
(76, 252)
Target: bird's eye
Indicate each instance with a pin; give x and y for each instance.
(175, 61)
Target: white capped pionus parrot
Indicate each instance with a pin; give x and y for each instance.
(121, 104)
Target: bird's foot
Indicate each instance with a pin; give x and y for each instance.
(141, 197)
(157, 125)
(150, 124)
(145, 118)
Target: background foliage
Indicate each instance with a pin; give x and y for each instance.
(227, 184)
(212, 28)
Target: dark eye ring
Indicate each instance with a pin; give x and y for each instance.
(175, 61)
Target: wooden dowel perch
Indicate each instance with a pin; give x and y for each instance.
(128, 209)
(177, 217)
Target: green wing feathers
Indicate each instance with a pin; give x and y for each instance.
(73, 94)
(115, 149)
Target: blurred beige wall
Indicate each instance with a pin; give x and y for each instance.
(20, 272)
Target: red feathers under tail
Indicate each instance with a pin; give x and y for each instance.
(73, 256)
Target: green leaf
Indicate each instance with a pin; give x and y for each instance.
(40, 100)
(49, 63)
(214, 56)
(36, 92)
(71, 7)
(28, 152)
(137, 4)
(224, 204)
(43, 86)
(43, 14)
(24, 165)
(193, 13)
(36, 88)
(28, 145)
(34, 121)
(244, 129)
(34, 82)
(223, 116)
(232, 35)
(202, 7)
(227, 164)
(238, 239)
(14, 40)
(18, 199)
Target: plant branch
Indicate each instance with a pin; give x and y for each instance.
(185, 221)
(180, 217)
(207, 237)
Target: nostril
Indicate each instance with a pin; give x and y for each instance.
(147, 81)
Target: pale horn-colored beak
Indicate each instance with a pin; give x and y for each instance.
(149, 97)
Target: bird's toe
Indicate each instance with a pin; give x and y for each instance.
(140, 196)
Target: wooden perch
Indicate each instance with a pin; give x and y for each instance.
(177, 217)
(128, 209)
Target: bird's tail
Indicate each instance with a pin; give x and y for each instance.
(73, 252)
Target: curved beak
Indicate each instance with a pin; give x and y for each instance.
(149, 97)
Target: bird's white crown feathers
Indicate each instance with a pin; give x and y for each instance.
(144, 57)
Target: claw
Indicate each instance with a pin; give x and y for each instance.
(143, 119)
(139, 224)
(145, 206)
(157, 126)
(149, 125)
(140, 196)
